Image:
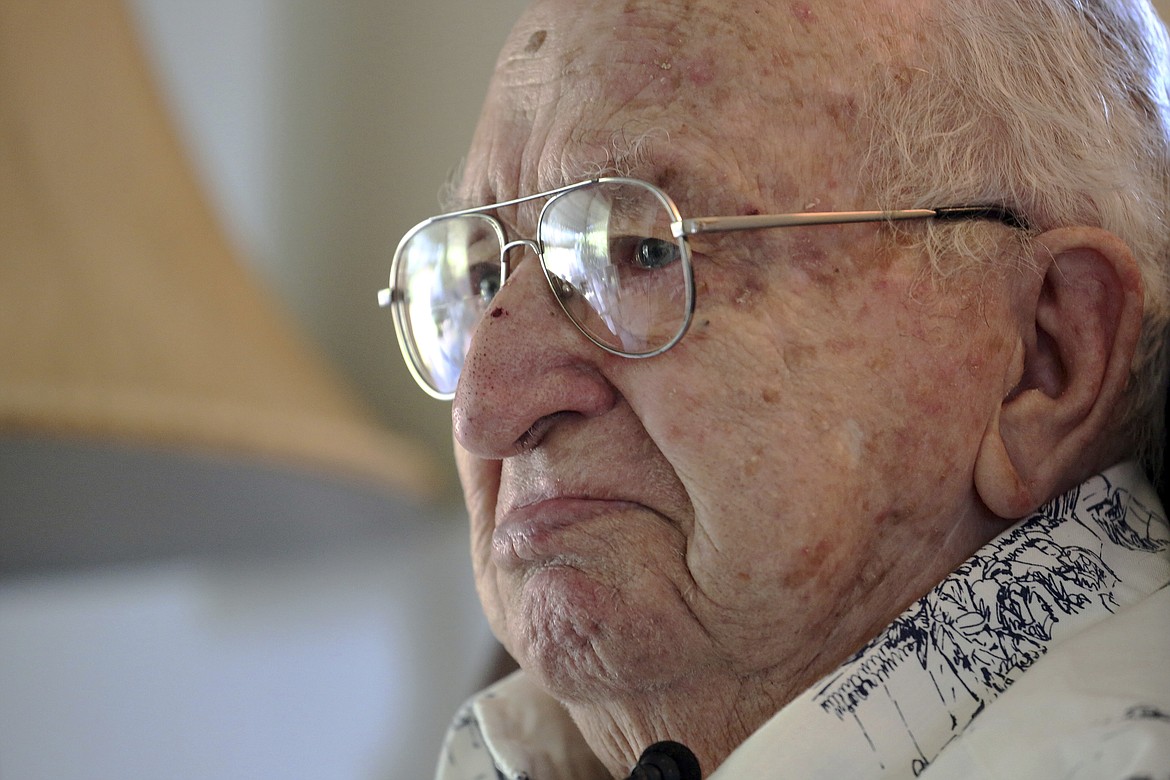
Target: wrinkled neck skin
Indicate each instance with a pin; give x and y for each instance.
(752, 506)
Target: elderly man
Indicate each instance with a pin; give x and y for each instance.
(801, 357)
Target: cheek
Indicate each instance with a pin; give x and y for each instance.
(799, 437)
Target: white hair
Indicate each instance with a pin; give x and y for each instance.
(1058, 109)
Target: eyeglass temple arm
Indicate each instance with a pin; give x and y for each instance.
(690, 227)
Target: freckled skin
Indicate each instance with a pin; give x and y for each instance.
(777, 487)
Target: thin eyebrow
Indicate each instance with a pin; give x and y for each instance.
(640, 157)
(631, 153)
(518, 200)
(452, 201)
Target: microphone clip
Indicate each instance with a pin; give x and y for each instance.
(666, 761)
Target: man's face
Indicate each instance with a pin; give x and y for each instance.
(753, 504)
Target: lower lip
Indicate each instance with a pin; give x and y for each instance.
(547, 532)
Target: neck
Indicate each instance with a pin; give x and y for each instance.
(711, 715)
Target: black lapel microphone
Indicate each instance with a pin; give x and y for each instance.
(666, 761)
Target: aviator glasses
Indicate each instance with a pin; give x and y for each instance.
(616, 256)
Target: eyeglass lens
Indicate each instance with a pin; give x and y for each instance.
(608, 255)
(448, 272)
(617, 271)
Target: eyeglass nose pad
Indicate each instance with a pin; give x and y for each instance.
(506, 265)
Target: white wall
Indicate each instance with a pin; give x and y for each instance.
(339, 664)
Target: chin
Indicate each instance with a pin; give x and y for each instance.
(587, 640)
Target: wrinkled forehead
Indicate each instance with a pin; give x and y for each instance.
(651, 49)
(613, 86)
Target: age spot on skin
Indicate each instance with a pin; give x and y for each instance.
(535, 42)
(751, 466)
(811, 566)
(798, 357)
(749, 291)
(499, 312)
(701, 72)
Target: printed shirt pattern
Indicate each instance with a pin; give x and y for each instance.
(891, 709)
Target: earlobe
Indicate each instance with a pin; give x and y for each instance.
(1079, 320)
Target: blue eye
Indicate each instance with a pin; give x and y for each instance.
(656, 253)
(485, 280)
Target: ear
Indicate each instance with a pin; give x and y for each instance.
(1080, 317)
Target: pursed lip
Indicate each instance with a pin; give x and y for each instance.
(547, 530)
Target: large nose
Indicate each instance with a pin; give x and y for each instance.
(527, 368)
